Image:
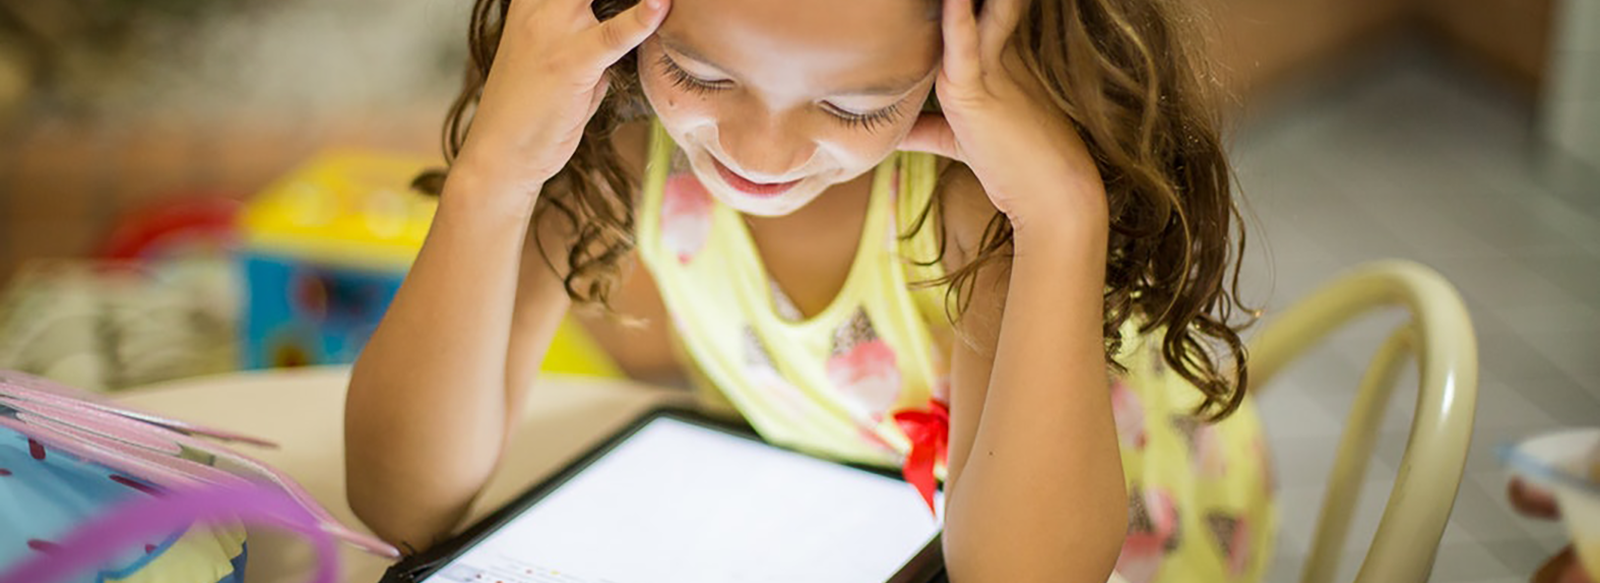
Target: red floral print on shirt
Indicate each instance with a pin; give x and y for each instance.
(863, 369)
(1128, 412)
(1269, 472)
(894, 180)
(1153, 531)
(1232, 535)
(685, 216)
(1206, 448)
(763, 374)
(870, 436)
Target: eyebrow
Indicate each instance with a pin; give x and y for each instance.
(892, 87)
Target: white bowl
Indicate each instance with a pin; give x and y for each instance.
(1566, 463)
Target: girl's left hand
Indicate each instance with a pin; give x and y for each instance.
(999, 120)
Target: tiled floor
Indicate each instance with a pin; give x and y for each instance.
(1420, 159)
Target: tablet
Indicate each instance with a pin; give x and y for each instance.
(677, 497)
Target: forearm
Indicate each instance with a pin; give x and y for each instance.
(425, 415)
(1041, 495)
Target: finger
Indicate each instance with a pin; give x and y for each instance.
(518, 10)
(1576, 573)
(996, 25)
(619, 34)
(1562, 568)
(960, 29)
(1532, 501)
(932, 134)
(599, 95)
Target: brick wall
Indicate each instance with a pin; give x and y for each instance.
(64, 184)
(1511, 36)
(1268, 40)
(1263, 42)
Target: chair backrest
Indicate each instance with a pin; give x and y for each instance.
(1440, 336)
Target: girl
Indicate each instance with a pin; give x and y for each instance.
(985, 242)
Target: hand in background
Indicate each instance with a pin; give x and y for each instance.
(1531, 501)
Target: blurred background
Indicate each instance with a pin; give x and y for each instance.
(160, 158)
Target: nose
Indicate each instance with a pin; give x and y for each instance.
(764, 148)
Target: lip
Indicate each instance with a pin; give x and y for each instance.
(751, 188)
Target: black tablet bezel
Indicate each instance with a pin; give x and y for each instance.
(926, 565)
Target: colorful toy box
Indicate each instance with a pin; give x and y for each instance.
(323, 251)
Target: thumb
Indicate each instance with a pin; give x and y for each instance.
(1562, 568)
(932, 134)
(1576, 574)
(1531, 500)
(617, 35)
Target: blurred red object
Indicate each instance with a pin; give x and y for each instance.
(203, 226)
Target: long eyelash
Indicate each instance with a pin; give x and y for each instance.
(870, 122)
(683, 80)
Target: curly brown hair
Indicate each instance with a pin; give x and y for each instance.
(1135, 80)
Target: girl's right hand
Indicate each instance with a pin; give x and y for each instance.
(547, 80)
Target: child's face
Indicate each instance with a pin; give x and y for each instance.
(766, 89)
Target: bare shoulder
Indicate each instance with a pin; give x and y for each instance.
(632, 143)
(966, 214)
(555, 231)
(644, 352)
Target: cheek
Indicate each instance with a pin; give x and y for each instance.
(863, 149)
(859, 153)
(677, 109)
(858, 150)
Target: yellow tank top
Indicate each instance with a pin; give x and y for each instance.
(827, 384)
(1200, 494)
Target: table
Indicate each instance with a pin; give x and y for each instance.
(302, 410)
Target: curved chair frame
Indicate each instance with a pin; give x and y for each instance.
(1440, 336)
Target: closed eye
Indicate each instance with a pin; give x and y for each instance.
(683, 80)
(870, 121)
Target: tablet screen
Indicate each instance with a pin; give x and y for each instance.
(677, 502)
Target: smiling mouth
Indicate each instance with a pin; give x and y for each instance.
(763, 189)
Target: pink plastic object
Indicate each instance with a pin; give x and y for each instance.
(149, 447)
(98, 540)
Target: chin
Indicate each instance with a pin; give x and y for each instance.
(776, 206)
(762, 206)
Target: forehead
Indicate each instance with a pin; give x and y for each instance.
(843, 37)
